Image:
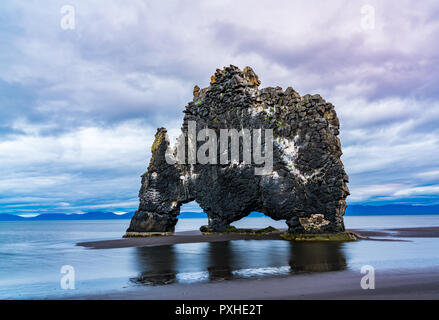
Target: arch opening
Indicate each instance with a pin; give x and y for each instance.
(259, 220)
(191, 217)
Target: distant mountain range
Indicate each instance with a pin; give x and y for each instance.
(352, 210)
(60, 216)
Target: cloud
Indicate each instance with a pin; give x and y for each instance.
(423, 191)
(82, 168)
(79, 108)
(428, 175)
(366, 192)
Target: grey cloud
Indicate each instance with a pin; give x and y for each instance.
(133, 66)
(336, 61)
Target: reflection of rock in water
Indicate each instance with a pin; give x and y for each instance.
(317, 257)
(220, 259)
(228, 260)
(156, 265)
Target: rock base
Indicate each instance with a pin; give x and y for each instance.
(146, 234)
(321, 237)
(241, 231)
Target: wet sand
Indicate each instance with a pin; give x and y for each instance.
(419, 283)
(418, 232)
(197, 237)
(423, 284)
(177, 238)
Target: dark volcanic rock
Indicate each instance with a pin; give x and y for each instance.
(306, 186)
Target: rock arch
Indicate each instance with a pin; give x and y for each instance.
(307, 185)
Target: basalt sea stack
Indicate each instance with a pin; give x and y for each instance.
(307, 183)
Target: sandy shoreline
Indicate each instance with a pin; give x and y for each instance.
(414, 283)
(400, 285)
(177, 238)
(391, 234)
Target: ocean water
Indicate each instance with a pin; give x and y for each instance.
(33, 252)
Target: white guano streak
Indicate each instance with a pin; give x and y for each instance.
(290, 152)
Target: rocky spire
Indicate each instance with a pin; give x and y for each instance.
(307, 185)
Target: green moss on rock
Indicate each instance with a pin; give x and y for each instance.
(269, 229)
(320, 237)
(241, 231)
(160, 135)
(158, 140)
(146, 234)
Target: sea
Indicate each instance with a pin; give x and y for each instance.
(37, 256)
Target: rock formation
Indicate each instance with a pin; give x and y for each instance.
(307, 183)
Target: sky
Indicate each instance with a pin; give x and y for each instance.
(80, 103)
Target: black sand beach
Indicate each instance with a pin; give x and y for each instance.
(392, 234)
(395, 285)
(177, 238)
(418, 283)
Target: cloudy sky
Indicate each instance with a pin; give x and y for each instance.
(79, 107)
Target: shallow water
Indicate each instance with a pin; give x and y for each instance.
(33, 252)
